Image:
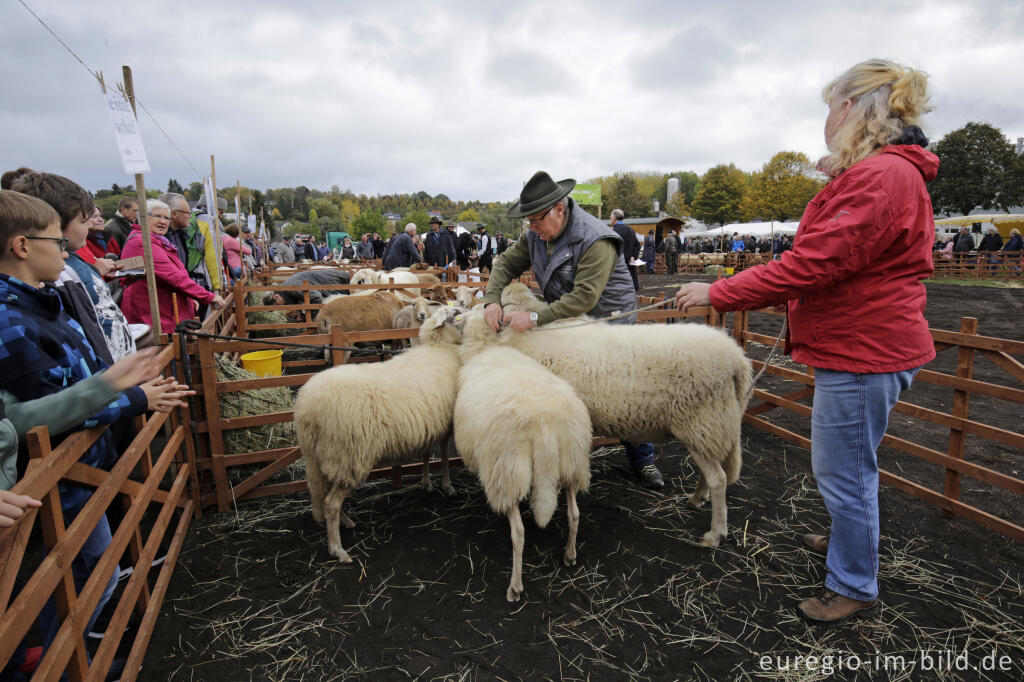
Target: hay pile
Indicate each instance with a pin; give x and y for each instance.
(253, 402)
(254, 298)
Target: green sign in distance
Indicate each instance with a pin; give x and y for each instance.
(587, 195)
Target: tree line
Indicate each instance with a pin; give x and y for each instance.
(979, 168)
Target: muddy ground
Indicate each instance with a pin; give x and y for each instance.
(255, 595)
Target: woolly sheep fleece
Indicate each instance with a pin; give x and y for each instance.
(540, 442)
(359, 313)
(350, 418)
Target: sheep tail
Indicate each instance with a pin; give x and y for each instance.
(546, 467)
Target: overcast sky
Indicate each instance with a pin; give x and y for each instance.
(470, 98)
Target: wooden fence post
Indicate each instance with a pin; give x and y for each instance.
(240, 321)
(961, 405)
(51, 520)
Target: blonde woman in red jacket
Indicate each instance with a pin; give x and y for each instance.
(852, 285)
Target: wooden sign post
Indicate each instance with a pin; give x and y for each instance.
(147, 244)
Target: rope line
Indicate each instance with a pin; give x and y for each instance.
(95, 75)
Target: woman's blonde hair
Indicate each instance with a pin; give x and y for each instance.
(1014, 231)
(886, 98)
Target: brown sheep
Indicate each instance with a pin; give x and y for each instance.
(359, 313)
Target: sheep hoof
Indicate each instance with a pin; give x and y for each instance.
(696, 501)
(341, 555)
(513, 594)
(569, 560)
(448, 489)
(427, 486)
(712, 539)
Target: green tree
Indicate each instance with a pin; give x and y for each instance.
(677, 208)
(720, 195)
(368, 222)
(470, 215)
(314, 217)
(783, 187)
(623, 193)
(194, 191)
(977, 168)
(174, 186)
(421, 219)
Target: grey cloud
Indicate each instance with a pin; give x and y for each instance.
(527, 74)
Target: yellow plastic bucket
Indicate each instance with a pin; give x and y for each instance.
(266, 363)
(729, 271)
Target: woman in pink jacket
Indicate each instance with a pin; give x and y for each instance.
(172, 280)
(852, 285)
(233, 249)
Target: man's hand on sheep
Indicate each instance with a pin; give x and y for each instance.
(692, 295)
(519, 320)
(492, 315)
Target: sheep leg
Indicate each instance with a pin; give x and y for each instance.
(446, 480)
(333, 515)
(573, 515)
(714, 479)
(425, 483)
(700, 493)
(515, 522)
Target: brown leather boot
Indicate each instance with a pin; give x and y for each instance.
(831, 608)
(816, 543)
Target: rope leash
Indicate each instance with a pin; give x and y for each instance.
(191, 328)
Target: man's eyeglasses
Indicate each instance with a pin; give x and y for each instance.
(538, 221)
(62, 242)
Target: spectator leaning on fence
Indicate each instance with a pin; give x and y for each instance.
(84, 293)
(45, 351)
(175, 290)
(855, 297)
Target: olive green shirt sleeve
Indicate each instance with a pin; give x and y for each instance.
(509, 265)
(592, 274)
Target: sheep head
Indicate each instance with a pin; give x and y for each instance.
(464, 297)
(443, 327)
(364, 276)
(517, 296)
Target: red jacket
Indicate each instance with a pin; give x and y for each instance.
(172, 281)
(852, 280)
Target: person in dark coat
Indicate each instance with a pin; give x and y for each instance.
(630, 245)
(648, 257)
(437, 246)
(502, 243)
(316, 296)
(484, 249)
(401, 252)
(463, 245)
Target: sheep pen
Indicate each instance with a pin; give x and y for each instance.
(256, 597)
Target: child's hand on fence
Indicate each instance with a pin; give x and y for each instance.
(164, 394)
(13, 506)
(133, 370)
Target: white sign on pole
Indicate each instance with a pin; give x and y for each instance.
(211, 199)
(252, 223)
(238, 209)
(126, 132)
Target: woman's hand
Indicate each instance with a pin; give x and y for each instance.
(13, 506)
(164, 394)
(133, 370)
(217, 302)
(104, 266)
(692, 295)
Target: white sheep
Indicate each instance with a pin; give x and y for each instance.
(351, 418)
(367, 276)
(540, 443)
(414, 315)
(684, 381)
(466, 297)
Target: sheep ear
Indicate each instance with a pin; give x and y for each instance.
(438, 322)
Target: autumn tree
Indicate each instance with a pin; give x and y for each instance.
(368, 222)
(677, 208)
(470, 215)
(623, 193)
(783, 187)
(978, 167)
(720, 195)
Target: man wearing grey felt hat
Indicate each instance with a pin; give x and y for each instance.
(577, 261)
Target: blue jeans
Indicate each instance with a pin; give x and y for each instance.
(848, 420)
(639, 454)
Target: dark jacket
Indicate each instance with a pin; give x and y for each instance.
(963, 243)
(438, 248)
(630, 244)
(118, 228)
(378, 247)
(325, 277)
(1014, 244)
(991, 242)
(401, 252)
